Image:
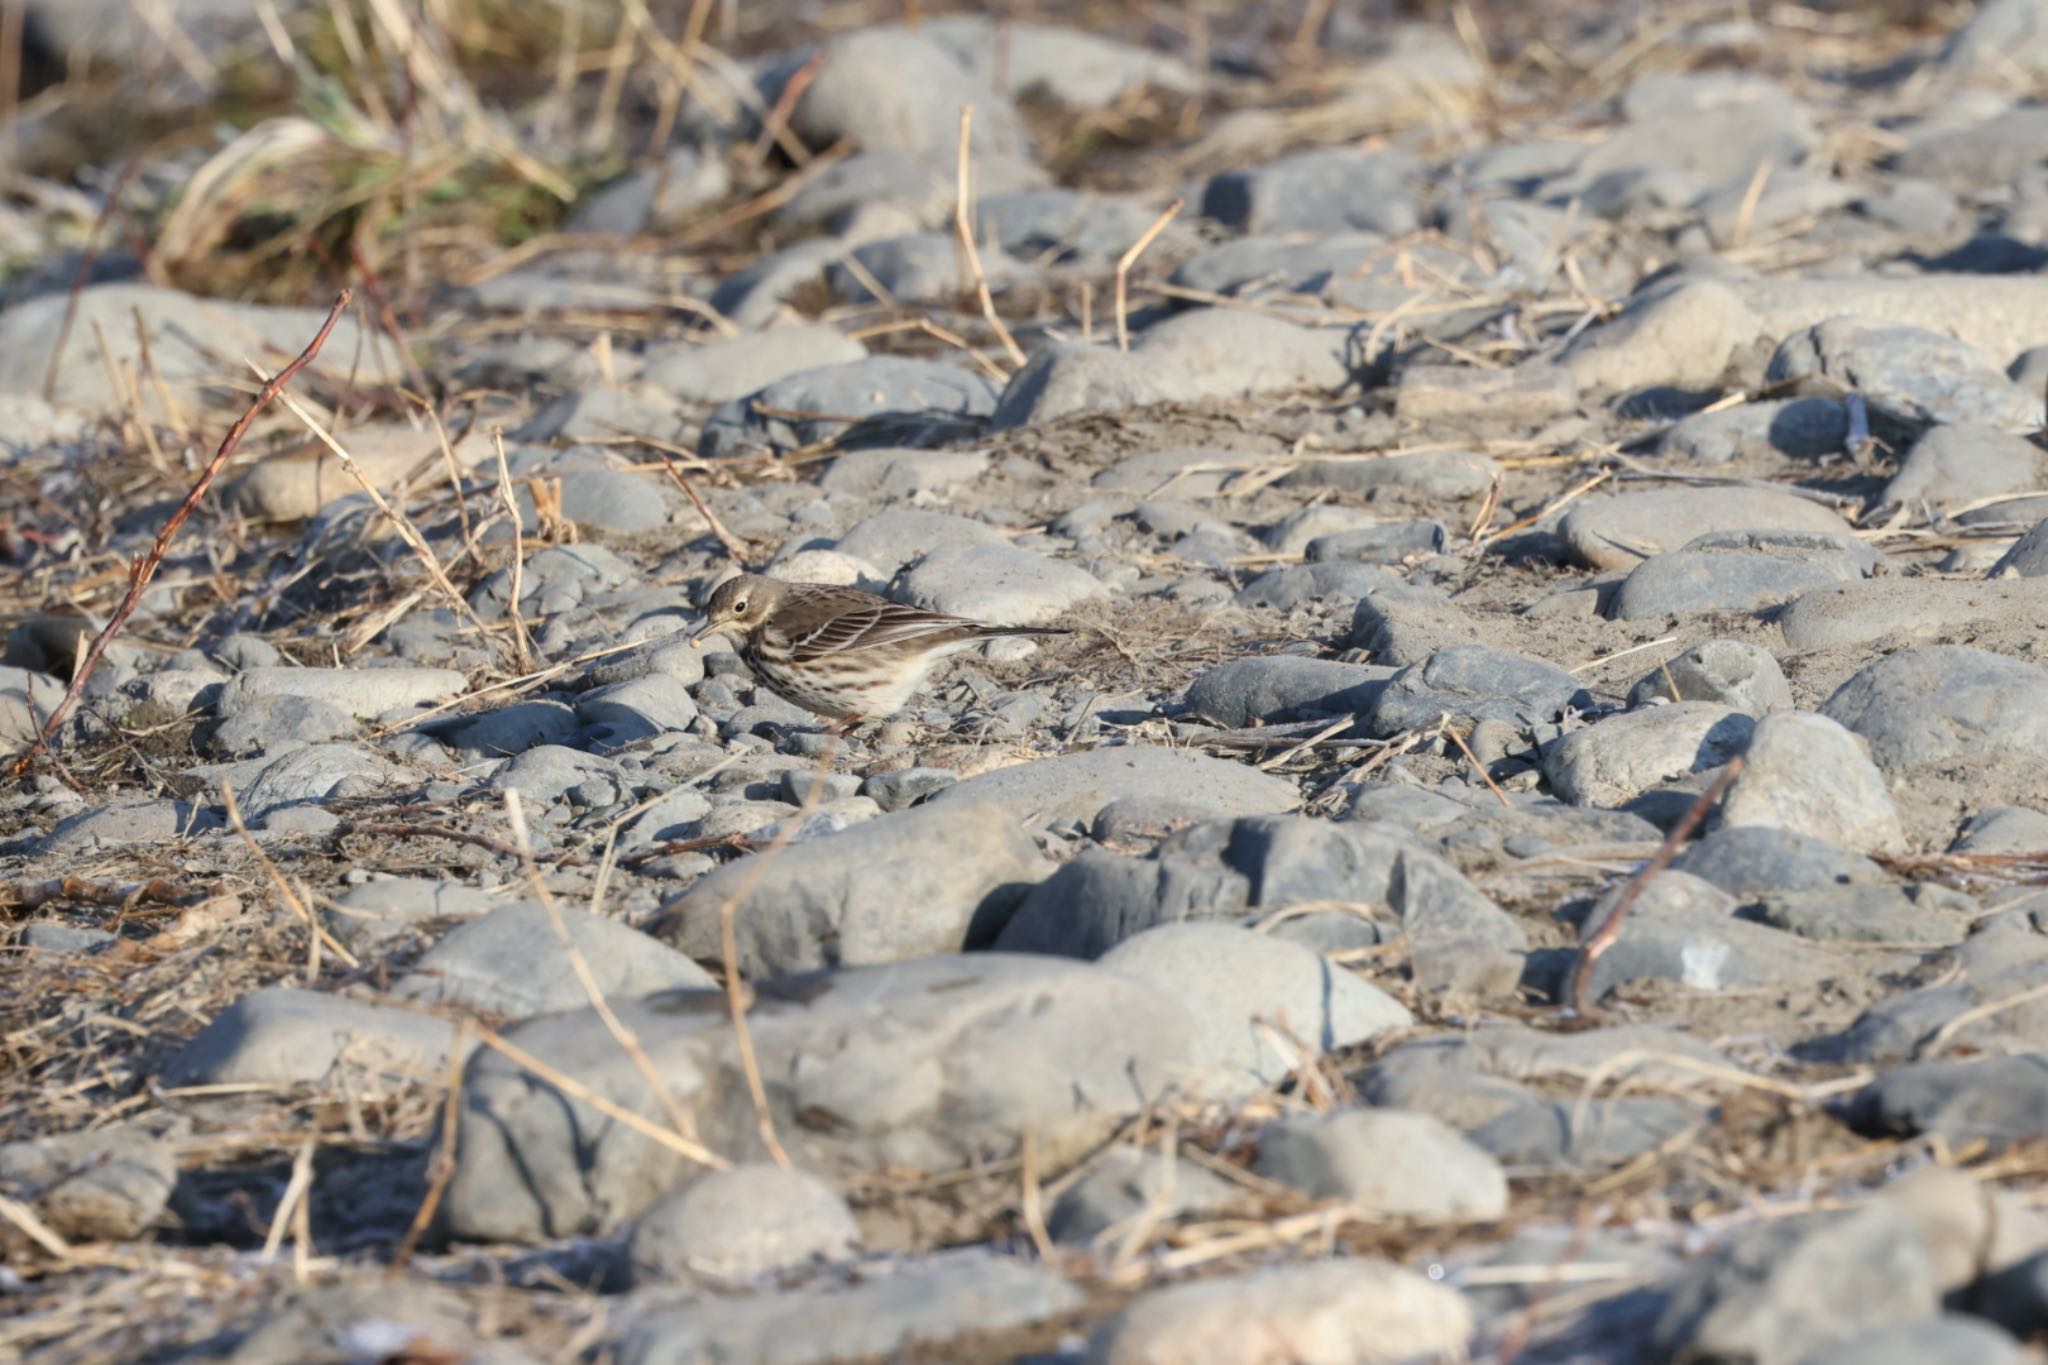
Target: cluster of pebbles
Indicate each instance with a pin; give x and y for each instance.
(1473, 464)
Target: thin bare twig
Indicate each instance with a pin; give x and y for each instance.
(1123, 271)
(734, 551)
(443, 1168)
(144, 568)
(1603, 937)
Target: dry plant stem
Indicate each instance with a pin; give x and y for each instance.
(1610, 928)
(399, 521)
(86, 258)
(684, 1147)
(733, 549)
(522, 648)
(1477, 766)
(35, 1229)
(284, 888)
(32, 895)
(295, 1192)
(144, 568)
(728, 946)
(443, 1168)
(387, 319)
(775, 128)
(963, 215)
(628, 1043)
(1123, 271)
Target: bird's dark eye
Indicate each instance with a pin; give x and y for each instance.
(740, 605)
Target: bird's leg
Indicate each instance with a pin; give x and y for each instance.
(844, 726)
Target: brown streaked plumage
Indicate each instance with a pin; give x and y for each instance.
(838, 651)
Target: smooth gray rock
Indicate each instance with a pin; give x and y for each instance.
(878, 400)
(1980, 1099)
(1125, 1185)
(917, 476)
(1264, 1006)
(1945, 704)
(364, 692)
(1342, 1309)
(1807, 774)
(1000, 584)
(1784, 1288)
(1397, 623)
(1732, 673)
(739, 1225)
(285, 1036)
(512, 961)
(893, 538)
(1337, 190)
(1433, 474)
(1573, 1133)
(934, 879)
(1194, 356)
(1471, 683)
(906, 787)
(602, 413)
(550, 775)
(891, 89)
(1920, 915)
(1621, 532)
(920, 267)
(102, 1185)
(364, 918)
(927, 1065)
(1681, 335)
(1068, 66)
(728, 368)
(1387, 543)
(1061, 225)
(512, 729)
(1296, 585)
(1801, 429)
(2003, 829)
(2028, 557)
(1953, 466)
(1458, 940)
(1071, 788)
(123, 823)
(1282, 687)
(1684, 929)
(314, 775)
(1739, 571)
(914, 1309)
(1908, 373)
(1385, 1163)
(1748, 860)
(655, 197)
(623, 713)
(1623, 756)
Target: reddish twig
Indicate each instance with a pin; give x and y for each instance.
(1602, 938)
(388, 320)
(145, 566)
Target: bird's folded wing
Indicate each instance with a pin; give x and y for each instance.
(864, 628)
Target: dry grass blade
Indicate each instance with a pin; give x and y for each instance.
(684, 1147)
(1603, 937)
(321, 938)
(734, 551)
(963, 225)
(1472, 758)
(1123, 271)
(522, 648)
(144, 568)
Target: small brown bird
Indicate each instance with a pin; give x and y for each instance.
(839, 651)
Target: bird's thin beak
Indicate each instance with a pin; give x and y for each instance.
(697, 635)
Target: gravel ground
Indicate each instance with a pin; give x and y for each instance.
(1527, 849)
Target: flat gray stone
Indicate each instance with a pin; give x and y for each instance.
(1623, 756)
(1072, 788)
(1911, 610)
(1281, 687)
(999, 584)
(1471, 683)
(103, 1185)
(1621, 532)
(1264, 1006)
(937, 878)
(1952, 466)
(1732, 673)
(1945, 704)
(1385, 1163)
(929, 1065)
(285, 1036)
(728, 368)
(363, 692)
(1908, 373)
(511, 961)
(739, 1225)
